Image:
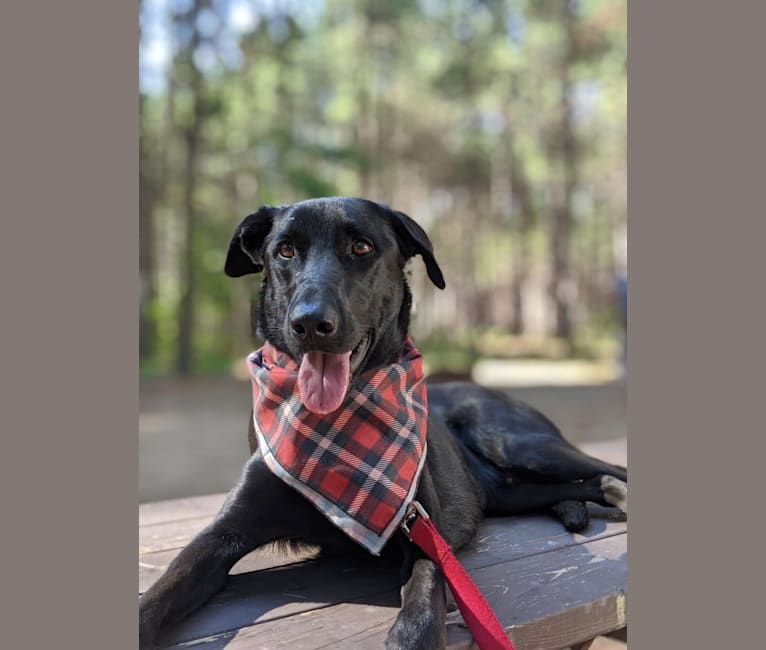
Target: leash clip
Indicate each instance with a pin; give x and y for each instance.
(413, 510)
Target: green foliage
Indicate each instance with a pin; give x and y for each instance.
(446, 352)
(419, 104)
(309, 184)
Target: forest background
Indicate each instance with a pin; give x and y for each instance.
(499, 125)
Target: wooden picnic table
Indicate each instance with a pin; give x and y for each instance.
(550, 589)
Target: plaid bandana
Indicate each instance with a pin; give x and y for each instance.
(359, 465)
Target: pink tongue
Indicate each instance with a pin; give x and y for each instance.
(323, 380)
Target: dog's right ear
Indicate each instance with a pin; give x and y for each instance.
(245, 255)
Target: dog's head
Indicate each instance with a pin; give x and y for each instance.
(334, 295)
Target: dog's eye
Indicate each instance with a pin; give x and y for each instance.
(286, 249)
(361, 247)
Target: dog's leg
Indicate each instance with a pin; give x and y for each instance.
(421, 623)
(422, 620)
(567, 463)
(530, 497)
(200, 570)
(196, 574)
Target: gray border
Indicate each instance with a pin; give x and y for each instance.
(696, 147)
(69, 331)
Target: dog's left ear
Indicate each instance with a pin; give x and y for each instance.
(414, 241)
(244, 254)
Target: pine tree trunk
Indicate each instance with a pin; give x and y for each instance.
(146, 241)
(522, 232)
(146, 245)
(192, 139)
(561, 236)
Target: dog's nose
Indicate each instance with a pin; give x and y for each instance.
(308, 319)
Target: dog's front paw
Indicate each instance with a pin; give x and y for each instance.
(417, 629)
(573, 514)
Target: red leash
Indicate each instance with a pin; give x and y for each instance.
(485, 628)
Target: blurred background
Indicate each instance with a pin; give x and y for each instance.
(499, 125)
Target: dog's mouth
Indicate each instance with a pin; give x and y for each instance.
(324, 378)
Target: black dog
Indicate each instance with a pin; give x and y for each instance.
(334, 284)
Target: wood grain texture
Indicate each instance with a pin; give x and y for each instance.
(161, 512)
(550, 600)
(550, 589)
(555, 599)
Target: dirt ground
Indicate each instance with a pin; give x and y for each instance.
(193, 434)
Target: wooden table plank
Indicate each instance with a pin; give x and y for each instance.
(526, 593)
(552, 588)
(270, 595)
(274, 594)
(171, 535)
(501, 539)
(357, 623)
(160, 512)
(582, 603)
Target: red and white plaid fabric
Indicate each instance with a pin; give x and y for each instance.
(359, 465)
